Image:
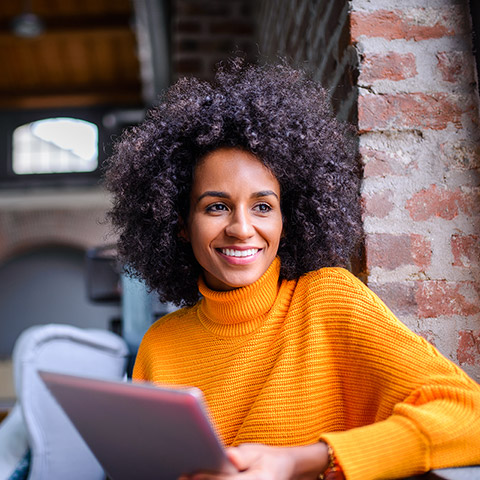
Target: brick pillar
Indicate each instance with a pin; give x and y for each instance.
(418, 119)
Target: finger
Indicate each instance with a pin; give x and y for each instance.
(242, 457)
(248, 475)
(212, 476)
(236, 458)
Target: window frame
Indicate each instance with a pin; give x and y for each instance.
(12, 119)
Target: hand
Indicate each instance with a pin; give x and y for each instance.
(261, 462)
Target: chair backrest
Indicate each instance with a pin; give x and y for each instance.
(57, 450)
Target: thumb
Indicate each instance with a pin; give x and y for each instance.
(242, 456)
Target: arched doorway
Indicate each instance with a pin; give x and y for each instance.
(46, 285)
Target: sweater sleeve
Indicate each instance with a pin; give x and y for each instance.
(433, 422)
(139, 373)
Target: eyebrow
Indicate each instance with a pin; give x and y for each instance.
(220, 194)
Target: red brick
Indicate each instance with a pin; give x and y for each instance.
(465, 250)
(377, 204)
(392, 251)
(377, 164)
(381, 164)
(421, 250)
(456, 66)
(415, 110)
(399, 297)
(439, 297)
(408, 25)
(468, 351)
(387, 66)
(439, 202)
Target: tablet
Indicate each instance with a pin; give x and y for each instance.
(138, 430)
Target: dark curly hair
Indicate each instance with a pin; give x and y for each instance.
(275, 112)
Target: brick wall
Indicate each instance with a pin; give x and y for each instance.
(205, 32)
(418, 124)
(74, 219)
(315, 36)
(418, 118)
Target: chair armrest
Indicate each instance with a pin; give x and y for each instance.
(13, 441)
(57, 449)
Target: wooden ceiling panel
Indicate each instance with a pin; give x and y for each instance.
(86, 54)
(51, 9)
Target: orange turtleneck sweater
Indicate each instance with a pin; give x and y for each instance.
(291, 362)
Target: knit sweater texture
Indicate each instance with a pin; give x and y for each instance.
(291, 362)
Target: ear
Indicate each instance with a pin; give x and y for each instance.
(183, 232)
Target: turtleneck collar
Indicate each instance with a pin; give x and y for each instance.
(242, 310)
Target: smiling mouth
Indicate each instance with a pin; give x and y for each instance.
(230, 252)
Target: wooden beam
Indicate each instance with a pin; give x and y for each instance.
(73, 21)
(99, 33)
(70, 100)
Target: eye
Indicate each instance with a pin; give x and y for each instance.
(216, 207)
(262, 207)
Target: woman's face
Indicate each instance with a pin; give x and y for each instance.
(235, 221)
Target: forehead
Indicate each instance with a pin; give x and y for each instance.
(232, 168)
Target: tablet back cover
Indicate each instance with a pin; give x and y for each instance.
(140, 430)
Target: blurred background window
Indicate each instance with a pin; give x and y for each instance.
(55, 145)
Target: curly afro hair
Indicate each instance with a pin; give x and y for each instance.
(275, 112)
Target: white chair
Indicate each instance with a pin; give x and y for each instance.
(36, 424)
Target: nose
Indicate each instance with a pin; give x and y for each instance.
(240, 225)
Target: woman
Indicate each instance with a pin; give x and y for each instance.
(239, 201)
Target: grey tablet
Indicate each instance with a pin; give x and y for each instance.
(140, 430)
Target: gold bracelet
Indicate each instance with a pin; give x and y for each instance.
(333, 470)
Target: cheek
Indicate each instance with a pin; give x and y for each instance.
(200, 235)
(273, 233)
(277, 231)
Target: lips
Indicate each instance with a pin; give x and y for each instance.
(231, 252)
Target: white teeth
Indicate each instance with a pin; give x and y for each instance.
(239, 253)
